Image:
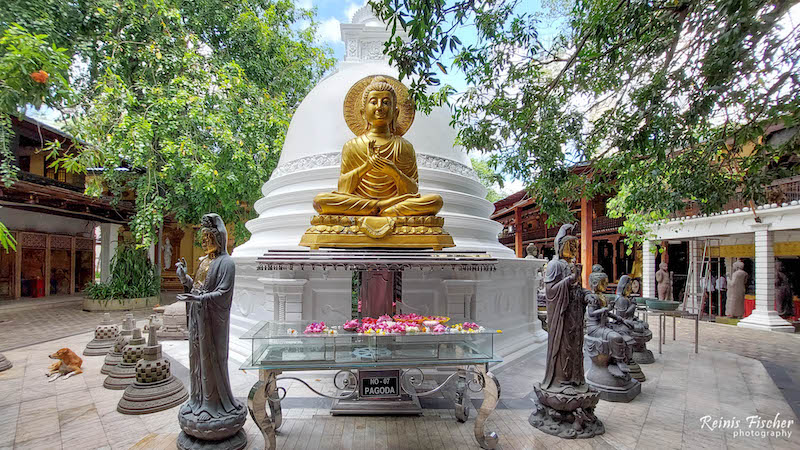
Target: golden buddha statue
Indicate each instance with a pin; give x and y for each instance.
(377, 202)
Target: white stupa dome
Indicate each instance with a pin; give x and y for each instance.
(311, 156)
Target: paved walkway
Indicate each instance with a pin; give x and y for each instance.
(682, 388)
(30, 321)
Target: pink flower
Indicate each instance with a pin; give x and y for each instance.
(470, 326)
(351, 325)
(439, 328)
(315, 327)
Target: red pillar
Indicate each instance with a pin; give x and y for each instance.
(586, 239)
(518, 232)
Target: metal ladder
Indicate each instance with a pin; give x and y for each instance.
(696, 294)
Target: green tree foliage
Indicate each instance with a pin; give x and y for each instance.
(184, 103)
(661, 98)
(488, 177)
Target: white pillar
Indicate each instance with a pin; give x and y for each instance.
(109, 234)
(764, 317)
(648, 270)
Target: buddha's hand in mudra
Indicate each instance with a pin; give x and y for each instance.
(379, 163)
(188, 297)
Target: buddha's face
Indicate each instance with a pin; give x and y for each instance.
(380, 108)
(208, 243)
(570, 249)
(627, 291)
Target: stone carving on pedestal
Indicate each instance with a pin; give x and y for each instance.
(114, 356)
(124, 373)
(565, 403)
(5, 364)
(104, 336)
(174, 322)
(737, 287)
(154, 388)
(625, 309)
(533, 251)
(212, 418)
(784, 303)
(608, 350)
(377, 201)
(664, 280)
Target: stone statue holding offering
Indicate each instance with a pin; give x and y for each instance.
(736, 290)
(664, 280)
(212, 418)
(565, 403)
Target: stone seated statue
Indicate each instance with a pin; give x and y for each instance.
(628, 324)
(377, 201)
(609, 350)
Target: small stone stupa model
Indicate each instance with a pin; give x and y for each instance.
(564, 404)
(5, 364)
(124, 373)
(114, 356)
(377, 201)
(104, 336)
(609, 351)
(174, 320)
(155, 388)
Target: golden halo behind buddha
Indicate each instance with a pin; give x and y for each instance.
(352, 105)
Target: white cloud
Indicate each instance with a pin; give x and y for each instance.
(328, 30)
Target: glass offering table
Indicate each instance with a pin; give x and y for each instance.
(400, 356)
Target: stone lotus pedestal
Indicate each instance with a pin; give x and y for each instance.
(612, 388)
(5, 364)
(104, 336)
(568, 414)
(155, 388)
(114, 356)
(174, 322)
(641, 354)
(123, 374)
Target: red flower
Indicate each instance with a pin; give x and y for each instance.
(40, 77)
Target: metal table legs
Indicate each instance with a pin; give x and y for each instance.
(263, 393)
(491, 395)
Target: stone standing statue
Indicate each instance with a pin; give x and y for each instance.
(736, 290)
(565, 403)
(167, 254)
(608, 349)
(664, 280)
(212, 418)
(784, 303)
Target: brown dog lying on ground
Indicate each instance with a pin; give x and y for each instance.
(68, 364)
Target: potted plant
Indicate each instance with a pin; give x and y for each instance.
(135, 283)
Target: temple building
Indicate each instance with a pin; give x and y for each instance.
(695, 247)
(54, 224)
(524, 224)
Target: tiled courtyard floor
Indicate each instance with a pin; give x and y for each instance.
(682, 387)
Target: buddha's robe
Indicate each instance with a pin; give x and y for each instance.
(376, 193)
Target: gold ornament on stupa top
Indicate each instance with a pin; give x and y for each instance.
(377, 201)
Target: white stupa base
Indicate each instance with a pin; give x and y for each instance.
(766, 320)
(504, 299)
